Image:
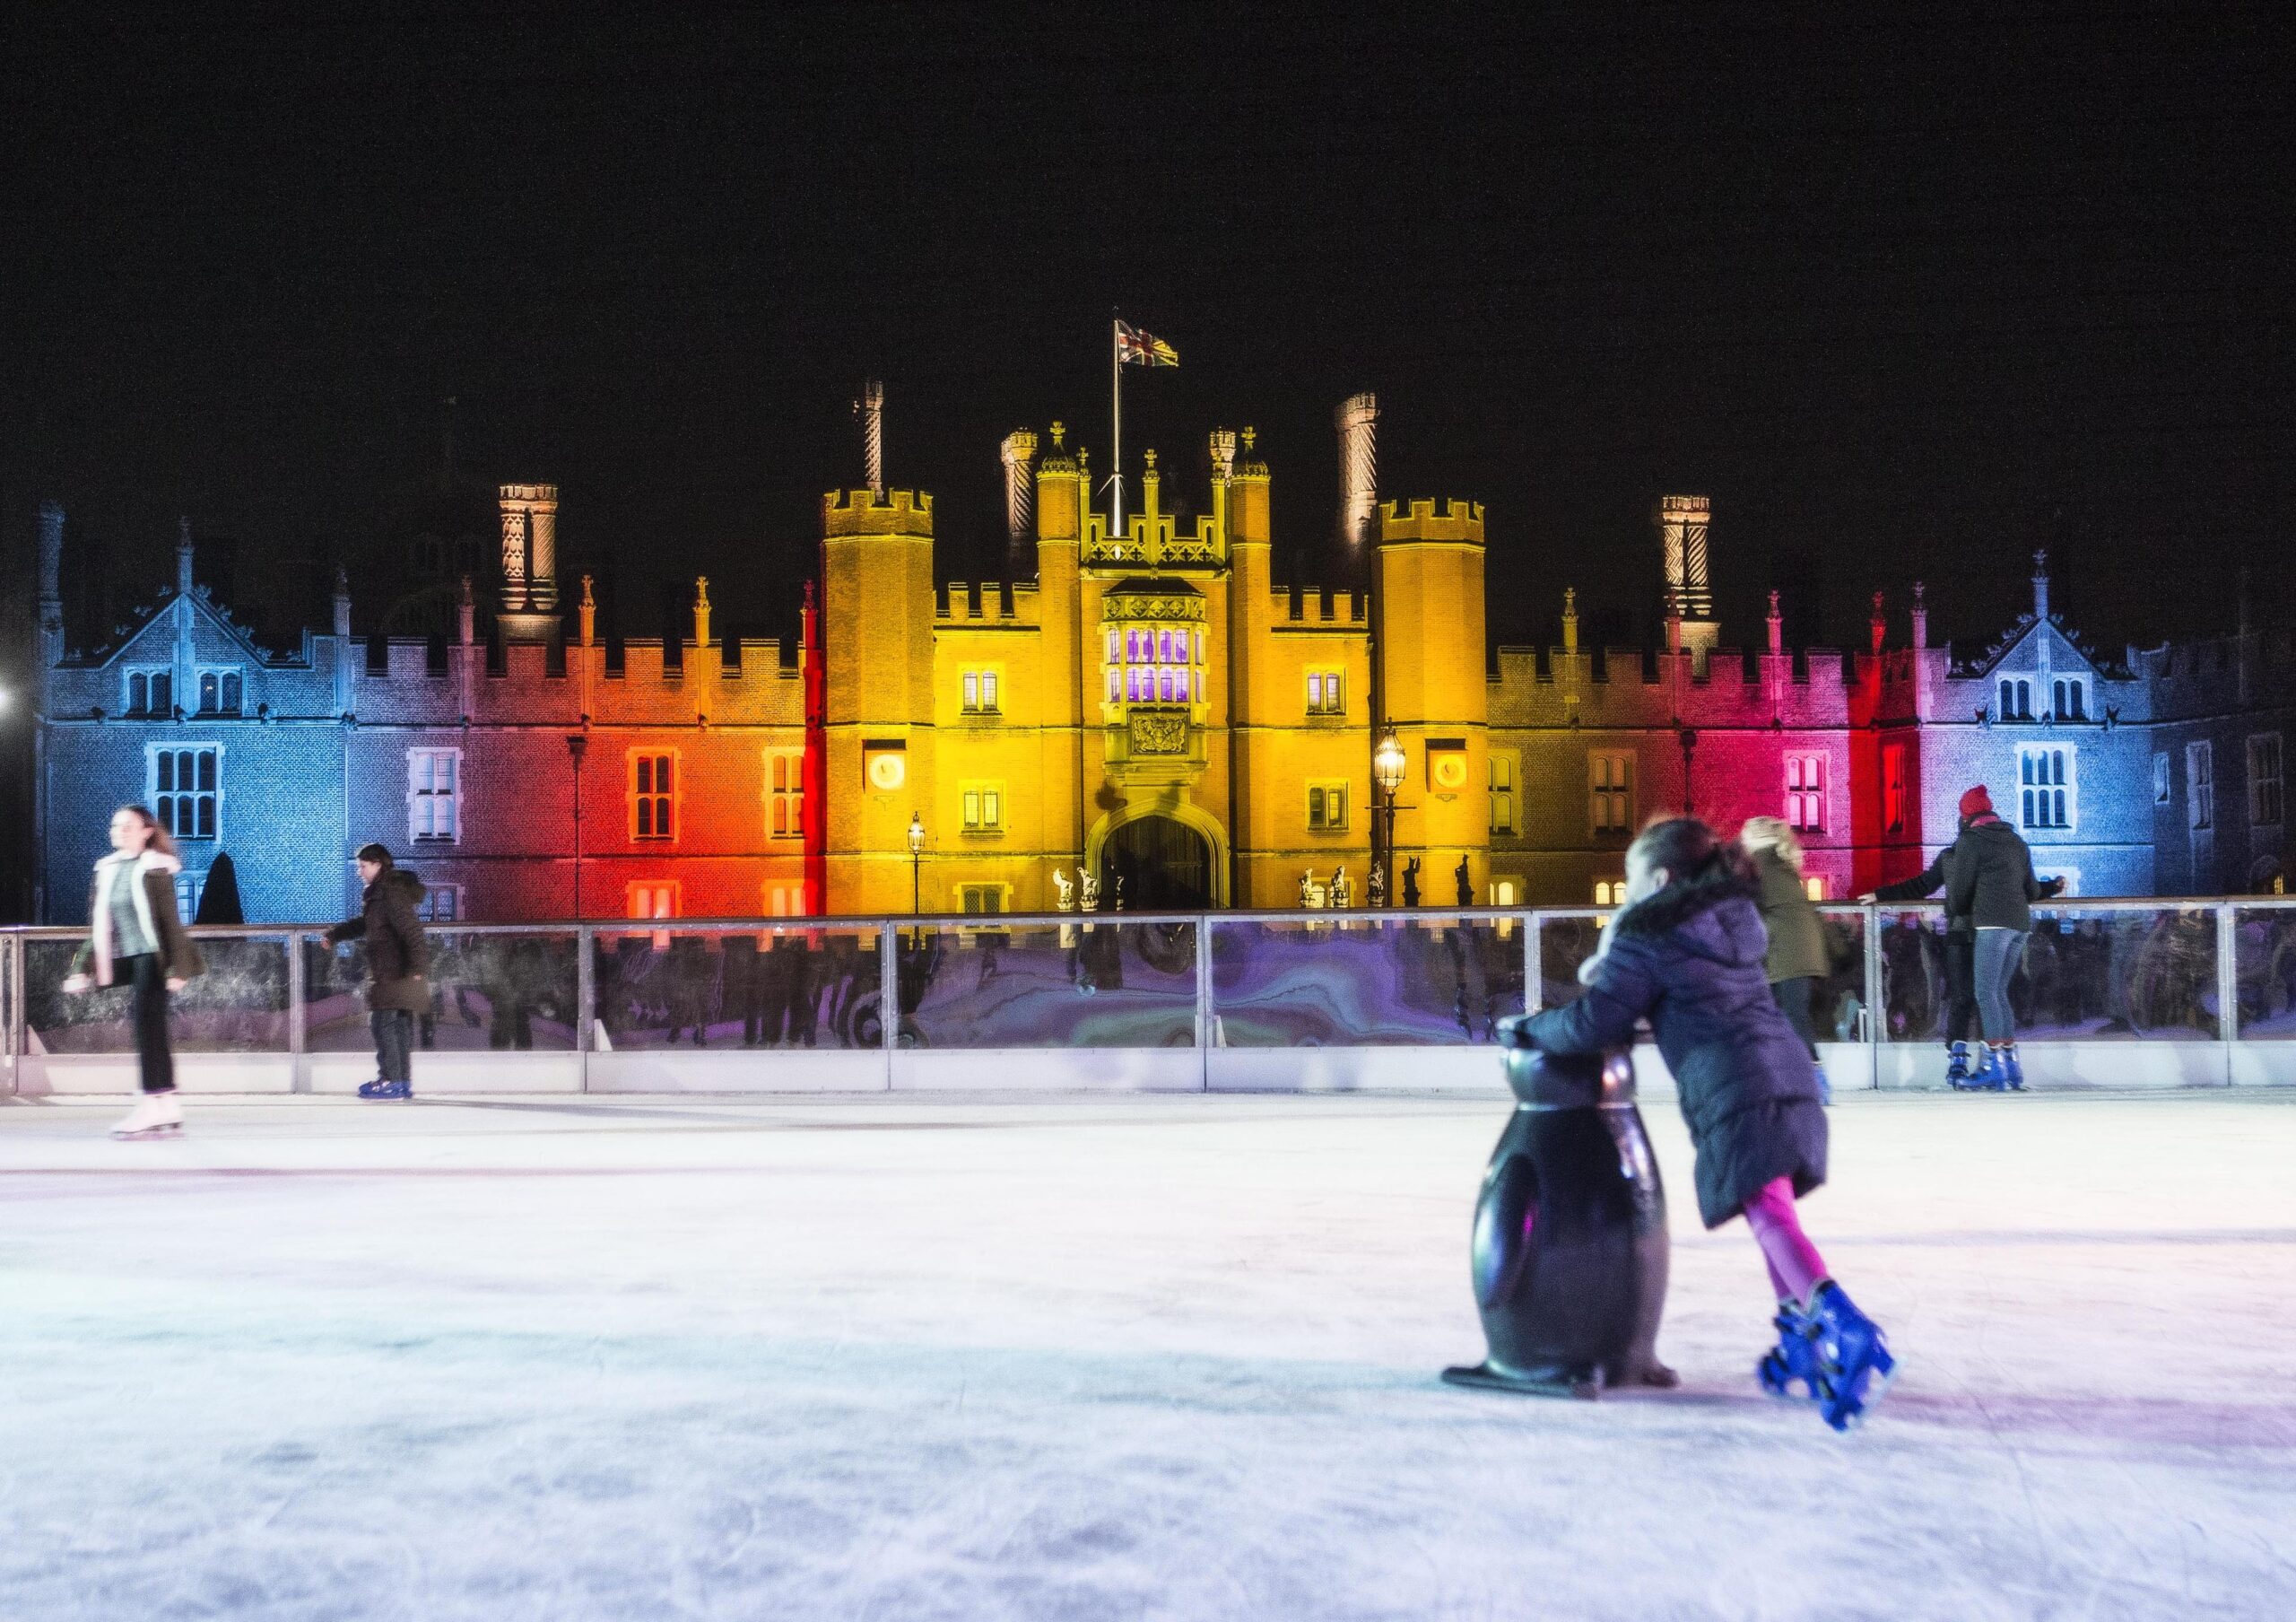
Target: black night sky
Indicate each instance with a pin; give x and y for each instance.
(1906, 298)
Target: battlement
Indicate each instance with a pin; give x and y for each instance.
(1451, 518)
(877, 513)
(1320, 606)
(959, 603)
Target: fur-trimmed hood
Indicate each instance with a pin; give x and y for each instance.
(146, 861)
(1714, 916)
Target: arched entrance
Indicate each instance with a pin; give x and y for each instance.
(1166, 865)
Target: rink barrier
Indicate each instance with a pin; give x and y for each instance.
(2114, 994)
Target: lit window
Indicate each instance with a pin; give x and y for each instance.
(433, 797)
(219, 692)
(785, 794)
(1805, 792)
(2264, 779)
(1326, 807)
(1325, 694)
(653, 795)
(2161, 779)
(981, 898)
(980, 693)
(1502, 793)
(1161, 665)
(984, 808)
(188, 887)
(441, 904)
(1609, 892)
(2200, 786)
(2046, 786)
(1610, 778)
(654, 898)
(1814, 886)
(784, 900)
(1503, 892)
(184, 786)
(1893, 787)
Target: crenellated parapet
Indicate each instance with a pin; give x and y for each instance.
(1451, 518)
(876, 512)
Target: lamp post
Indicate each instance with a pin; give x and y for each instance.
(1687, 737)
(916, 862)
(1388, 763)
(577, 744)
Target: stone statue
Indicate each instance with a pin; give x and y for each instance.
(1411, 883)
(1064, 893)
(1466, 883)
(1308, 888)
(1090, 900)
(1343, 888)
(1375, 889)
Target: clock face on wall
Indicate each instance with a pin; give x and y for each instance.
(1447, 769)
(886, 769)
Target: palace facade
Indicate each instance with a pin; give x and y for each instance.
(1154, 710)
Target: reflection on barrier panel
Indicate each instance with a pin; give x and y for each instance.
(2194, 978)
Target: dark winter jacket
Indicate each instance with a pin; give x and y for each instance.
(1937, 876)
(1798, 934)
(398, 956)
(1992, 883)
(1690, 960)
(155, 903)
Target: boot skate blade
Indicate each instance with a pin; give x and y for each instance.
(1581, 1384)
(172, 1129)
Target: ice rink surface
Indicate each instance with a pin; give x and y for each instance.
(1104, 1360)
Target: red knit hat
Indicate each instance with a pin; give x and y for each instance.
(1977, 802)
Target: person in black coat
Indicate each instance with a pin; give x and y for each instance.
(1994, 887)
(398, 966)
(1687, 952)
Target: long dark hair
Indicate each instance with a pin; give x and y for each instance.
(1693, 853)
(161, 840)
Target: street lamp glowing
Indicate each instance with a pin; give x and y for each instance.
(916, 834)
(916, 863)
(1388, 763)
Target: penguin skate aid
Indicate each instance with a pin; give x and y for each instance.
(1686, 953)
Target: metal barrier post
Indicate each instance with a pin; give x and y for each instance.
(1534, 984)
(1874, 1019)
(299, 1002)
(889, 994)
(2228, 982)
(1205, 1027)
(586, 996)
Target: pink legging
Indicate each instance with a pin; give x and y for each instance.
(1795, 1268)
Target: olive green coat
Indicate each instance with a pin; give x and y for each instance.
(1798, 934)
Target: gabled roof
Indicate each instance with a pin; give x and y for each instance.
(153, 612)
(2023, 631)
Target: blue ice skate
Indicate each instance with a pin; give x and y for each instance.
(1957, 1065)
(384, 1089)
(1825, 1086)
(1854, 1366)
(1987, 1075)
(1794, 1359)
(2013, 1069)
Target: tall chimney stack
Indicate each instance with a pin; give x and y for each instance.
(51, 587)
(1358, 421)
(870, 411)
(1681, 521)
(1018, 452)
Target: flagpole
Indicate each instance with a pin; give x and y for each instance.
(1115, 432)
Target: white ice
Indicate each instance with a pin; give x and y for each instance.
(1104, 1360)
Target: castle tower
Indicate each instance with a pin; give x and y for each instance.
(529, 604)
(1681, 521)
(877, 699)
(1254, 774)
(1433, 691)
(1058, 500)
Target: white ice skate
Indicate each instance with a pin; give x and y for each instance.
(155, 1115)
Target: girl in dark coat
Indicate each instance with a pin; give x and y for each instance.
(1686, 953)
(398, 967)
(136, 938)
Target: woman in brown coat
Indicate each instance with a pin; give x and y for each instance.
(398, 967)
(1796, 961)
(136, 938)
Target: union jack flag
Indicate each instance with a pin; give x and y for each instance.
(1135, 347)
